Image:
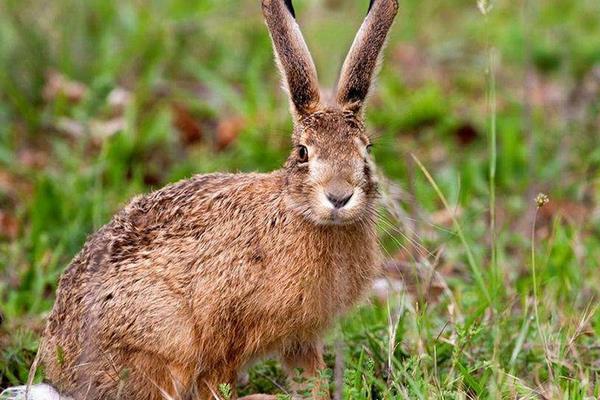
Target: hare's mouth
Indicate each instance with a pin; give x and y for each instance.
(338, 219)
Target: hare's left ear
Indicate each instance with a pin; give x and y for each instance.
(362, 59)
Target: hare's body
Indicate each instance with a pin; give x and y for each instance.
(188, 284)
(159, 294)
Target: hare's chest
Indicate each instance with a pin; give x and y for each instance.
(327, 288)
(305, 283)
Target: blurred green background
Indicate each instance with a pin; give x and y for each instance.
(101, 100)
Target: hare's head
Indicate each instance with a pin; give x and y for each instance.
(330, 173)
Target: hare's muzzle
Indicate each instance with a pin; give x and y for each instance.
(339, 193)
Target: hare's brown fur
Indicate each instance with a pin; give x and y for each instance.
(188, 284)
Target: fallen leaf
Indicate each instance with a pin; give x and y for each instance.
(58, 84)
(188, 127)
(227, 131)
(9, 225)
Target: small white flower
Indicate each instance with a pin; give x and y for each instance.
(485, 6)
(541, 200)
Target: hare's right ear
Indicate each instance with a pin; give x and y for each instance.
(293, 59)
(362, 59)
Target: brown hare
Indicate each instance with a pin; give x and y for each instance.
(189, 284)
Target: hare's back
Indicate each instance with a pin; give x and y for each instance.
(165, 231)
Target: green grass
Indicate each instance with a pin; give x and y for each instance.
(461, 134)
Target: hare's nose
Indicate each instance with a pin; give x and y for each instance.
(339, 200)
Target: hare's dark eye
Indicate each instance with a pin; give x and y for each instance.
(369, 148)
(302, 154)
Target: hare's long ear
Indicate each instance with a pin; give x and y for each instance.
(363, 57)
(292, 55)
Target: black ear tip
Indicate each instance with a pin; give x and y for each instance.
(370, 5)
(290, 7)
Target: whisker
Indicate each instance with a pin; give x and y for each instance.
(420, 248)
(401, 245)
(407, 227)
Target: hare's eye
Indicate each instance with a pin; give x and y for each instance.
(302, 154)
(369, 148)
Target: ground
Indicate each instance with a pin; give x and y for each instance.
(479, 107)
